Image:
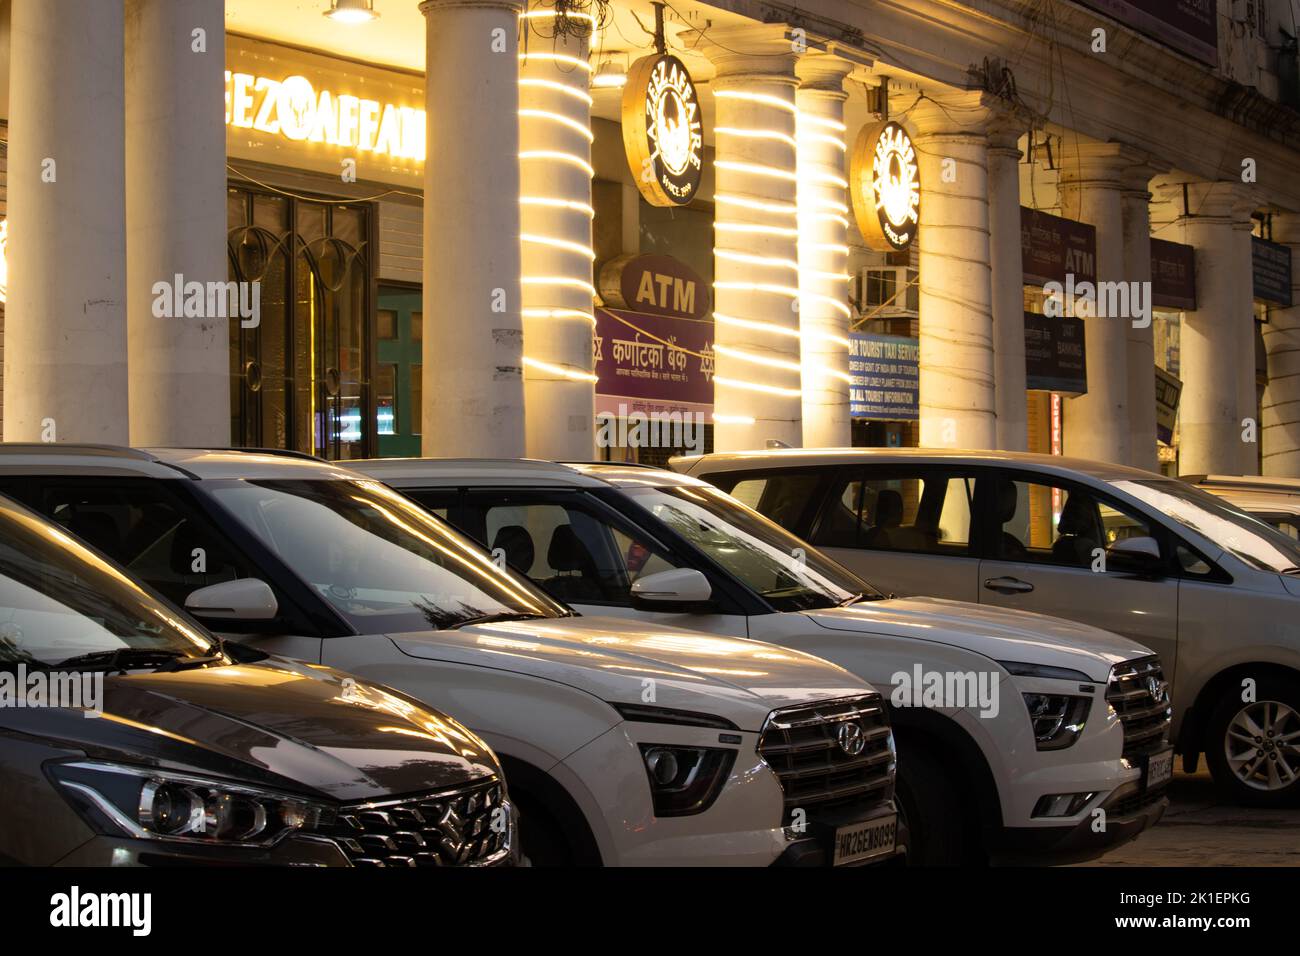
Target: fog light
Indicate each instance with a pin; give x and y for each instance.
(662, 765)
(1061, 804)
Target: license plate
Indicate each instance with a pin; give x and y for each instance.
(1160, 768)
(866, 841)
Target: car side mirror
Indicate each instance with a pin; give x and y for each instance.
(677, 591)
(246, 599)
(1141, 555)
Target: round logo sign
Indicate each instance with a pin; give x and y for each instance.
(662, 130)
(886, 185)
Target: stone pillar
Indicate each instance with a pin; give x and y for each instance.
(176, 220)
(1008, 280)
(473, 337)
(958, 404)
(823, 250)
(1092, 190)
(757, 385)
(556, 247)
(1280, 414)
(1212, 358)
(65, 356)
(1140, 336)
(1248, 403)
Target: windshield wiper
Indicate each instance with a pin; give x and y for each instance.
(862, 596)
(491, 618)
(120, 659)
(1290, 571)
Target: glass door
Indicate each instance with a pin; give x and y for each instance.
(399, 331)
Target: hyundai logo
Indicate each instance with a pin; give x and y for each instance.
(851, 738)
(1158, 689)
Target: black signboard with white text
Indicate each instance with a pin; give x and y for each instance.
(1055, 358)
(1271, 269)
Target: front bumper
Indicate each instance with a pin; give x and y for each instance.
(1129, 811)
(816, 848)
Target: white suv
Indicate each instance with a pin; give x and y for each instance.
(1040, 722)
(623, 743)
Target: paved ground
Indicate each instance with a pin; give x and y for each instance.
(1198, 829)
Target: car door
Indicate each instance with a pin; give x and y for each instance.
(580, 551)
(1046, 551)
(904, 529)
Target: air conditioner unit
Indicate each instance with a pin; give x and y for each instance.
(889, 291)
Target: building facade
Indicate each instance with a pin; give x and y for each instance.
(479, 227)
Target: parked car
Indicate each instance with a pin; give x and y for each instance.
(129, 735)
(1215, 593)
(622, 742)
(1022, 783)
(1275, 501)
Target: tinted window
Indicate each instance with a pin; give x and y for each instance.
(1058, 524)
(785, 497)
(897, 510)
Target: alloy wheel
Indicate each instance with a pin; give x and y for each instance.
(1262, 744)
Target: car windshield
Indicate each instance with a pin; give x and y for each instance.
(382, 562)
(788, 573)
(63, 606)
(1240, 534)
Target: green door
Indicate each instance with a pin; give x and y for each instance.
(398, 393)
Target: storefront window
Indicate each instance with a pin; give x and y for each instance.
(301, 377)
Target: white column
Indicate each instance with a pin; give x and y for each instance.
(556, 252)
(65, 325)
(958, 403)
(823, 250)
(757, 385)
(473, 338)
(1091, 190)
(176, 219)
(1248, 404)
(1280, 415)
(1008, 279)
(1211, 355)
(1140, 335)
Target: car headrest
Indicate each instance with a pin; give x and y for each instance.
(517, 544)
(1008, 499)
(889, 509)
(566, 552)
(1077, 515)
(98, 530)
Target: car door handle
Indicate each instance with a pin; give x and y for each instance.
(1008, 585)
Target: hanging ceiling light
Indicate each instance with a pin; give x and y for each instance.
(609, 75)
(352, 11)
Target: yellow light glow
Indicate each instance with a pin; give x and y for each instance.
(545, 14)
(559, 88)
(565, 372)
(828, 276)
(749, 227)
(759, 287)
(567, 281)
(560, 118)
(827, 138)
(825, 247)
(771, 134)
(824, 179)
(757, 387)
(761, 205)
(775, 262)
(732, 419)
(554, 203)
(558, 314)
(564, 244)
(757, 169)
(556, 57)
(757, 359)
(766, 99)
(559, 157)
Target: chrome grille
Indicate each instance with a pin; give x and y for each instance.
(451, 828)
(802, 746)
(1140, 695)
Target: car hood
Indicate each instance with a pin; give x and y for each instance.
(1001, 634)
(283, 724)
(613, 659)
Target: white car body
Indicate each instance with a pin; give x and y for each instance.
(551, 695)
(880, 639)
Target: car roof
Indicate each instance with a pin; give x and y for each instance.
(1252, 483)
(194, 463)
(794, 457)
(524, 472)
(1259, 502)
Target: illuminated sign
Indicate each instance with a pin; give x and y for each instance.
(886, 187)
(294, 109)
(663, 131)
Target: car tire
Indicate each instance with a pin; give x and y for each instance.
(938, 834)
(1270, 775)
(541, 838)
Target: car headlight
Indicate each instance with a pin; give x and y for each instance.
(1058, 719)
(685, 780)
(152, 804)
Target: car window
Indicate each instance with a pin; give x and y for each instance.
(436, 501)
(569, 546)
(145, 526)
(903, 510)
(783, 497)
(1061, 524)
